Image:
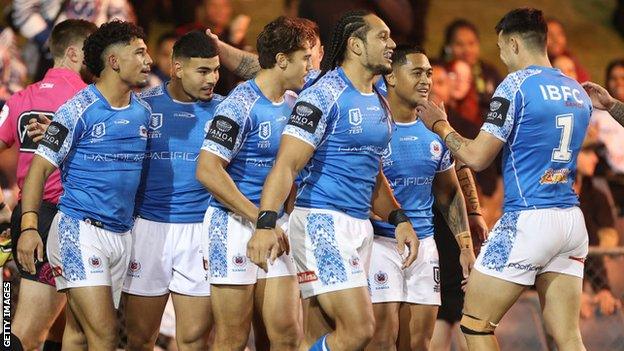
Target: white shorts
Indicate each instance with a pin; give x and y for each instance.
(85, 255)
(166, 257)
(331, 250)
(225, 240)
(418, 284)
(524, 244)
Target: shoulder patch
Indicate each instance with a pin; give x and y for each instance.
(223, 131)
(305, 116)
(54, 136)
(499, 107)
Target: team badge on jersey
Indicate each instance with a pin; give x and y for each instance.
(436, 149)
(264, 130)
(156, 121)
(355, 116)
(499, 107)
(381, 279)
(99, 130)
(95, 262)
(55, 136)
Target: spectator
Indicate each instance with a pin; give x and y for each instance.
(599, 220)
(12, 69)
(35, 19)
(557, 45)
(566, 65)
(611, 134)
(461, 42)
(217, 16)
(161, 71)
(464, 97)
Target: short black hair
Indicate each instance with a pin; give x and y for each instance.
(285, 35)
(528, 22)
(399, 55)
(67, 33)
(111, 33)
(195, 44)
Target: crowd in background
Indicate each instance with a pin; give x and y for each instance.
(462, 79)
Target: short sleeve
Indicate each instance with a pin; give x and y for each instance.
(227, 130)
(61, 134)
(309, 119)
(8, 123)
(446, 162)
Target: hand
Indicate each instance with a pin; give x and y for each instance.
(429, 113)
(263, 243)
(478, 227)
(607, 302)
(587, 306)
(599, 96)
(29, 245)
(466, 260)
(212, 36)
(37, 127)
(406, 236)
(282, 238)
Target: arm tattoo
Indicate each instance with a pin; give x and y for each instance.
(617, 111)
(248, 67)
(454, 141)
(454, 213)
(467, 184)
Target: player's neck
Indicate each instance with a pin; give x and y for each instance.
(401, 112)
(114, 90)
(271, 84)
(176, 91)
(361, 77)
(65, 63)
(533, 60)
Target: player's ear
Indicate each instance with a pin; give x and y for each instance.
(356, 45)
(72, 53)
(177, 68)
(390, 79)
(281, 60)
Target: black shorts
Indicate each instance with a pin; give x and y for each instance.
(46, 215)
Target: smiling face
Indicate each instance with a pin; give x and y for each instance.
(378, 46)
(413, 79)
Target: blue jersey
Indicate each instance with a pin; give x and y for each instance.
(541, 115)
(349, 131)
(169, 191)
(411, 161)
(246, 132)
(100, 151)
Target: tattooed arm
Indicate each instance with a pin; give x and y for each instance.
(242, 63)
(450, 202)
(476, 153)
(601, 99)
(476, 222)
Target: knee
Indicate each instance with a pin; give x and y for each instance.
(420, 342)
(357, 335)
(140, 339)
(194, 337)
(385, 336)
(231, 337)
(285, 333)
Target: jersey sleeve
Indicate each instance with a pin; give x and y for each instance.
(227, 129)
(310, 117)
(501, 116)
(62, 134)
(8, 123)
(447, 161)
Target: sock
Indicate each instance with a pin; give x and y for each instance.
(320, 344)
(16, 343)
(50, 345)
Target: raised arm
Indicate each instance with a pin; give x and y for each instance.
(240, 62)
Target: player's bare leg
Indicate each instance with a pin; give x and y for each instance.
(487, 300)
(193, 321)
(143, 316)
(386, 326)
(277, 303)
(94, 310)
(421, 326)
(73, 337)
(560, 297)
(316, 323)
(232, 306)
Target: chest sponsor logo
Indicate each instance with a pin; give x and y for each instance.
(122, 121)
(99, 130)
(156, 121)
(409, 138)
(183, 114)
(499, 107)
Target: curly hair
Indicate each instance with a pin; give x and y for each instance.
(111, 33)
(285, 35)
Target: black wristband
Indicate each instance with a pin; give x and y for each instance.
(436, 122)
(23, 213)
(266, 220)
(397, 217)
(29, 228)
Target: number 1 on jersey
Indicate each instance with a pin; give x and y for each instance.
(563, 153)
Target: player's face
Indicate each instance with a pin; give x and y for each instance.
(440, 88)
(413, 79)
(616, 82)
(507, 55)
(556, 40)
(378, 46)
(465, 46)
(198, 75)
(133, 63)
(298, 65)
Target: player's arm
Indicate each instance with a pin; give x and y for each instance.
(601, 99)
(388, 209)
(240, 62)
(473, 207)
(449, 200)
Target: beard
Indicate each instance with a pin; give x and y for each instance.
(379, 69)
